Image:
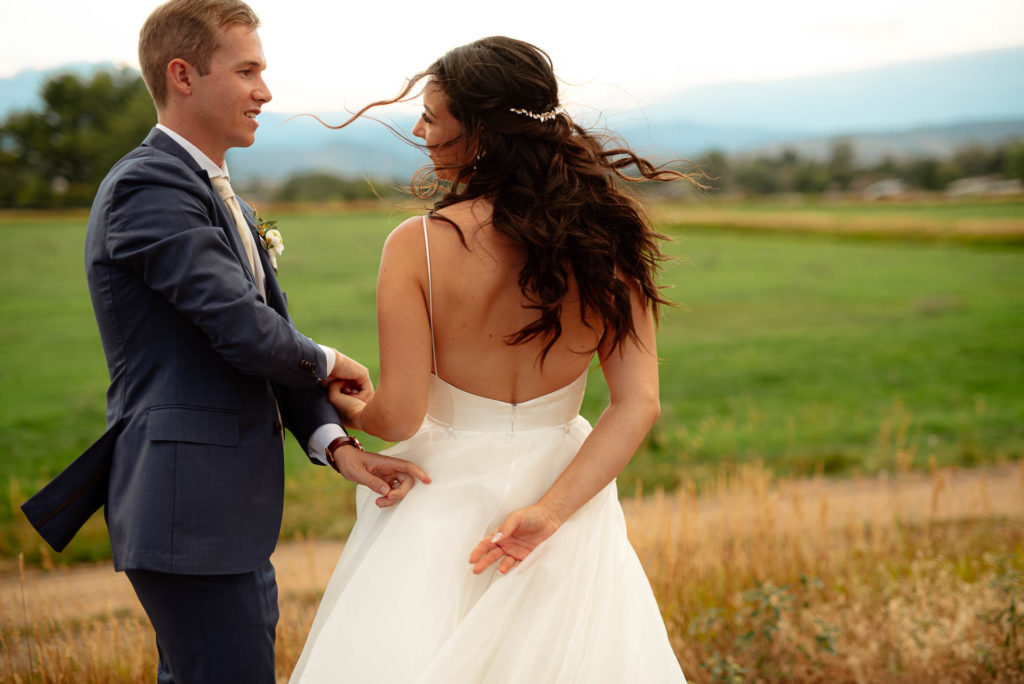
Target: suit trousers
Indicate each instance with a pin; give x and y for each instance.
(211, 628)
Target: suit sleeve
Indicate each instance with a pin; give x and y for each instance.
(161, 229)
(303, 411)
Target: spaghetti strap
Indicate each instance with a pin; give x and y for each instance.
(430, 296)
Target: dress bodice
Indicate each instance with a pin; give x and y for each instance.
(460, 410)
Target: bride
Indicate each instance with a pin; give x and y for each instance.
(513, 564)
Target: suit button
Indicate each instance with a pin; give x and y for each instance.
(277, 426)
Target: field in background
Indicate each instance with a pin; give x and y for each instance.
(793, 347)
(981, 221)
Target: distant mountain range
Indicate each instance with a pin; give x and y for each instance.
(979, 86)
(21, 91)
(927, 107)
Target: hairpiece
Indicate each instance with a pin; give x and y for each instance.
(543, 116)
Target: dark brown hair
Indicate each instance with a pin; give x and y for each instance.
(189, 30)
(553, 185)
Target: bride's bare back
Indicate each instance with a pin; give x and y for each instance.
(478, 305)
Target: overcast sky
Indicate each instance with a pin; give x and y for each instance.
(325, 55)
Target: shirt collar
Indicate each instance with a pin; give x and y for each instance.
(205, 163)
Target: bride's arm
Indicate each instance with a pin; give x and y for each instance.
(399, 404)
(631, 372)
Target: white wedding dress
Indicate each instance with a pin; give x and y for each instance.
(403, 605)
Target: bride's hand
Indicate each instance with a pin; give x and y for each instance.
(522, 532)
(348, 406)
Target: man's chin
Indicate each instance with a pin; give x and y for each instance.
(245, 140)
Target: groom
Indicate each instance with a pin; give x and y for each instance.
(206, 368)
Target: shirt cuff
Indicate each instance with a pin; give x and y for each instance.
(329, 352)
(321, 437)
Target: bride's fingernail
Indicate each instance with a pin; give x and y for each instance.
(497, 537)
(385, 490)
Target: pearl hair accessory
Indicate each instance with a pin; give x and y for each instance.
(544, 116)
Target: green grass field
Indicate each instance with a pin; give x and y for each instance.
(806, 351)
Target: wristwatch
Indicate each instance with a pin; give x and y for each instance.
(337, 443)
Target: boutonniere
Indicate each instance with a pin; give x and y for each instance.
(270, 237)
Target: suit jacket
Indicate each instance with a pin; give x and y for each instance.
(191, 469)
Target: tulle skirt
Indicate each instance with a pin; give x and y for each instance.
(403, 605)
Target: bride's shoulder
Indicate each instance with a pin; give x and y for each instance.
(409, 233)
(410, 226)
(465, 217)
(405, 241)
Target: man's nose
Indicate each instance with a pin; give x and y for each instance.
(263, 92)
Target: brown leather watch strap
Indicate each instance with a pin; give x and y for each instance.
(337, 443)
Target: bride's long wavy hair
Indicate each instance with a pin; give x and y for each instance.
(552, 184)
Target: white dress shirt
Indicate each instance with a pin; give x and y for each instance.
(326, 433)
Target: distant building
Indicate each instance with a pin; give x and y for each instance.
(883, 189)
(984, 185)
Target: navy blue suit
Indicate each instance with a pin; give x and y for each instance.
(199, 365)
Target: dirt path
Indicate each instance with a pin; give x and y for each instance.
(85, 591)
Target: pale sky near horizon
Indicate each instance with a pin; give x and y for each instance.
(323, 56)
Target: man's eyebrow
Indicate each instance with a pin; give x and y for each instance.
(429, 110)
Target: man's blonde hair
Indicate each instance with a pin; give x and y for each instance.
(189, 30)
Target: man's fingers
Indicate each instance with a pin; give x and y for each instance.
(354, 375)
(382, 474)
(400, 485)
(389, 464)
(412, 469)
(352, 388)
(340, 398)
(367, 479)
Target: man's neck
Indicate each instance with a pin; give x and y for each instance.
(194, 134)
(201, 158)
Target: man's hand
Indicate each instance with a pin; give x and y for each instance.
(392, 478)
(353, 375)
(349, 407)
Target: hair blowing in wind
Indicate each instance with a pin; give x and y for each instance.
(553, 186)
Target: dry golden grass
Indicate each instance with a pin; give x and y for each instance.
(912, 578)
(905, 578)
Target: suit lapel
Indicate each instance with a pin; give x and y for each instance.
(159, 140)
(275, 298)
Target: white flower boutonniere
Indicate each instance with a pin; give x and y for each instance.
(270, 236)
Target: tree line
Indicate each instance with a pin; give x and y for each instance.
(787, 172)
(57, 155)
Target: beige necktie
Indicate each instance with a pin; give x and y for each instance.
(223, 188)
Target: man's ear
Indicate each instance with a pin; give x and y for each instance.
(179, 76)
